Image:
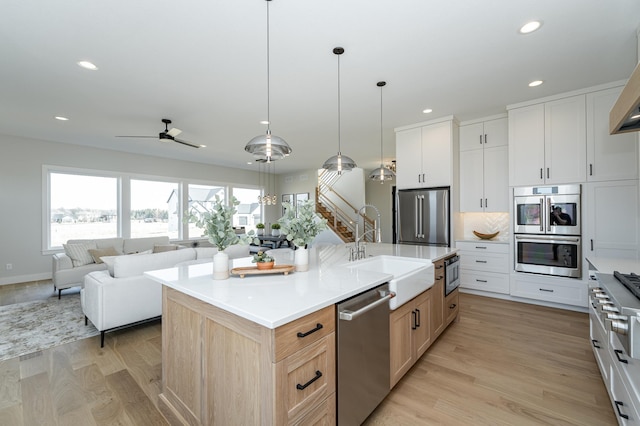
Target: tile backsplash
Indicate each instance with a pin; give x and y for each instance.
(486, 223)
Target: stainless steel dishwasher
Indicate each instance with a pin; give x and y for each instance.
(362, 354)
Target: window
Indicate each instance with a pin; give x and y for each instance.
(249, 211)
(81, 206)
(155, 209)
(201, 198)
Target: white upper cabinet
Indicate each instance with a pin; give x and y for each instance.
(485, 134)
(526, 145)
(609, 157)
(484, 165)
(424, 156)
(547, 142)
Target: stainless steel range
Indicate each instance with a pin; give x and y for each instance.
(617, 303)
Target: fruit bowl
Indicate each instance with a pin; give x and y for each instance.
(485, 236)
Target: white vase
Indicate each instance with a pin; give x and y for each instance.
(275, 232)
(301, 259)
(220, 266)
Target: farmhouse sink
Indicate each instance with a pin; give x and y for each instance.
(411, 276)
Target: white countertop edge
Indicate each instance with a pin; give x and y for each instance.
(285, 319)
(609, 264)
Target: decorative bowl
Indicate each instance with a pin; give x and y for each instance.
(485, 236)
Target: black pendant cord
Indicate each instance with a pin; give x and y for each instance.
(268, 75)
(339, 105)
(381, 86)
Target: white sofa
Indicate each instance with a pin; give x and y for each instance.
(66, 275)
(122, 295)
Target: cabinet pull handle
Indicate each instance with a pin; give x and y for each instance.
(413, 318)
(481, 261)
(439, 266)
(316, 377)
(480, 202)
(481, 247)
(417, 318)
(595, 343)
(485, 138)
(547, 173)
(540, 173)
(481, 281)
(313, 330)
(480, 139)
(590, 169)
(546, 289)
(440, 277)
(618, 405)
(485, 203)
(591, 244)
(423, 179)
(452, 306)
(618, 352)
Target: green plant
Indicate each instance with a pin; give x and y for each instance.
(218, 224)
(275, 226)
(304, 227)
(261, 257)
(260, 226)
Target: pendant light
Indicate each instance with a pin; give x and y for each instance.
(339, 163)
(267, 199)
(268, 147)
(381, 174)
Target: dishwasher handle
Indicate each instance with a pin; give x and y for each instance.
(348, 315)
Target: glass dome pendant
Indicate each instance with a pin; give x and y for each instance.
(381, 174)
(268, 147)
(339, 163)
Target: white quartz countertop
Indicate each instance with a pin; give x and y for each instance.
(609, 264)
(277, 299)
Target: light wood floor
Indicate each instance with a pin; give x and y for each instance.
(503, 363)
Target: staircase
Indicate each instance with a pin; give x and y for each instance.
(343, 223)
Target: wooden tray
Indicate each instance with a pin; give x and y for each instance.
(253, 270)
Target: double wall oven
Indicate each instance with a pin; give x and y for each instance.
(547, 230)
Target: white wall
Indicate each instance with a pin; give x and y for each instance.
(380, 196)
(21, 162)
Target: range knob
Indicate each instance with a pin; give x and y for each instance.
(609, 307)
(620, 327)
(600, 295)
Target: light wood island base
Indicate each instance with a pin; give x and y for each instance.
(219, 368)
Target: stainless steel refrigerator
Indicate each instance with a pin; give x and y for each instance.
(422, 216)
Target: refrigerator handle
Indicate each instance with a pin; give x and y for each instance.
(542, 215)
(422, 216)
(417, 215)
(547, 216)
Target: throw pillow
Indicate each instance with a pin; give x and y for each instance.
(79, 253)
(96, 254)
(109, 260)
(159, 248)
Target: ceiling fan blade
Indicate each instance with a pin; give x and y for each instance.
(136, 136)
(192, 145)
(173, 132)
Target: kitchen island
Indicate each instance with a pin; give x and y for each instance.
(259, 349)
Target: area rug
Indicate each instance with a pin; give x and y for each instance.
(33, 326)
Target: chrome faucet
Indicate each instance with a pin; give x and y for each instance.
(357, 251)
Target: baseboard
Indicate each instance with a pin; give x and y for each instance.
(25, 278)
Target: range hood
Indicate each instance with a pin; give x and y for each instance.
(625, 114)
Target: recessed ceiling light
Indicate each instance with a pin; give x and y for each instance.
(427, 111)
(88, 65)
(530, 27)
(249, 162)
(61, 118)
(535, 83)
(264, 122)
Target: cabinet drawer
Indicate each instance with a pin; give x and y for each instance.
(451, 307)
(305, 379)
(486, 262)
(623, 402)
(322, 415)
(297, 334)
(486, 281)
(558, 291)
(481, 247)
(628, 367)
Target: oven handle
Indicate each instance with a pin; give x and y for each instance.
(550, 240)
(547, 215)
(543, 216)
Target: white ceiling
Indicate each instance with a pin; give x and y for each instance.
(202, 63)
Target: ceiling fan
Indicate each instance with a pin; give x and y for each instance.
(168, 135)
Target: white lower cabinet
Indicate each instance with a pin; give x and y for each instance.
(484, 266)
(568, 291)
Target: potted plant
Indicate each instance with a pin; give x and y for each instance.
(217, 225)
(263, 260)
(260, 228)
(275, 229)
(301, 229)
